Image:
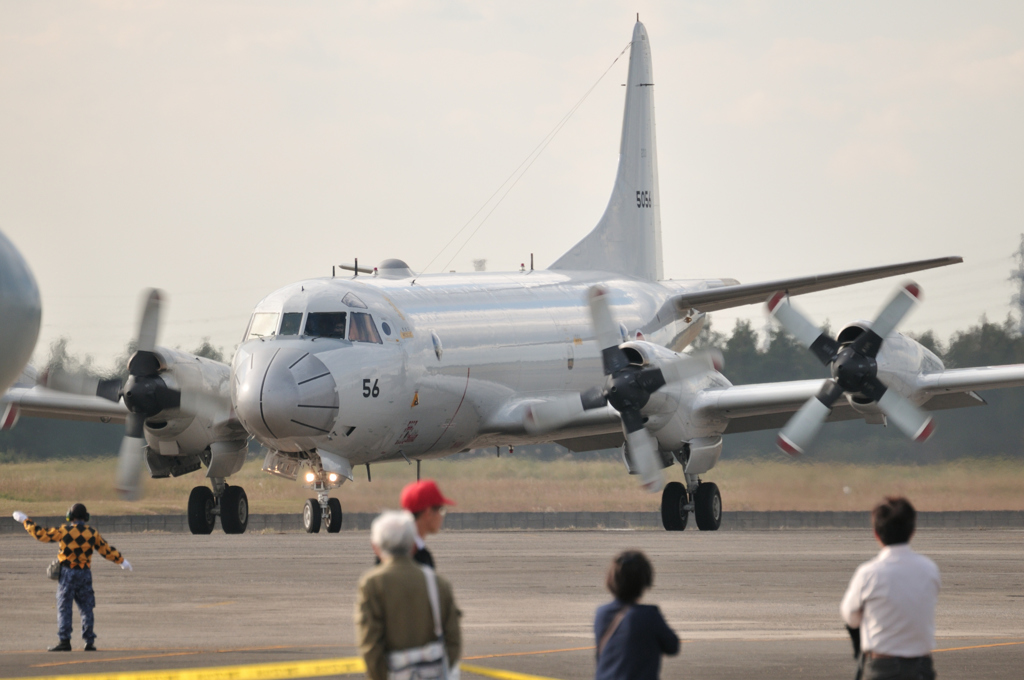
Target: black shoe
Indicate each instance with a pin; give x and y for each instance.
(90, 647)
(62, 646)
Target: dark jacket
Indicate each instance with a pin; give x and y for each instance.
(634, 650)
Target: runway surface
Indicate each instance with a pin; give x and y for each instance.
(747, 604)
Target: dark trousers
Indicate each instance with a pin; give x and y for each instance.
(896, 668)
(75, 585)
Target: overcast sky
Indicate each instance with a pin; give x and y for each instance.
(220, 150)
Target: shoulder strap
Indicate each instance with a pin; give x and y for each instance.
(610, 630)
(435, 603)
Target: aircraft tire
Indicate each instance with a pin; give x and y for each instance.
(333, 517)
(673, 498)
(234, 510)
(311, 516)
(200, 510)
(707, 507)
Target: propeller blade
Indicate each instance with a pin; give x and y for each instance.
(606, 330)
(869, 342)
(81, 383)
(593, 398)
(130, 459)
(801, 429)
(149, 324)
(643, 447)
(548, 415)
(911, 420)
(651, 380)
(800, 327)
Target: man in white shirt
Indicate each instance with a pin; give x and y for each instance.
(891, 599)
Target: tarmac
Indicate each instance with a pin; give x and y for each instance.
(745, 603)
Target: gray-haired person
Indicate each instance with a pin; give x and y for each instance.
(407, 624)
(891, 600)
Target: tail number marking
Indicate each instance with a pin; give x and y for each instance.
(370, 391)
(643, 199)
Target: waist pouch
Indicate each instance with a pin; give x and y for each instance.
(418, 663)
(53, 571)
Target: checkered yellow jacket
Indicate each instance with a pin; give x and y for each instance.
(77, 541)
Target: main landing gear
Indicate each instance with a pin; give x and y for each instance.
(228, 502)
(704, 500)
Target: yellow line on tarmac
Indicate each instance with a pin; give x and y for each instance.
(183, 652)
(501, 675)
(543, 651)
(997, 644)
(266, 671)
(287, 670)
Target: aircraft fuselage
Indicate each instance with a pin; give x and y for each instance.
(451, 355)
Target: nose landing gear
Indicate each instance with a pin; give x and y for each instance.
(322, 510)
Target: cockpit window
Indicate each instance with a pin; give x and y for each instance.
(351, 300)
(290, 323)
(326, 324)
(362, 329)
(263, 325)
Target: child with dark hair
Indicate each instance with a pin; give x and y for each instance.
(631, 637)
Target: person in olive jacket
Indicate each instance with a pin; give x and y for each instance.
(393, 610)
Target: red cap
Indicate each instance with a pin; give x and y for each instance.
(419, 496)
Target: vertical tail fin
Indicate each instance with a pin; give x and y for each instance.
(627, 240)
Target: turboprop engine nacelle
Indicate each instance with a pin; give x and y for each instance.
(186, 405)
(901, 360)
(189, 417)
(668, 412)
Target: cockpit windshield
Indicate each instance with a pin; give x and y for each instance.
(263, 325)
(326, 325)
(362, 329)
(290, 323)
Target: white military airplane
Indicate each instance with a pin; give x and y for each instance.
(20, 315)
(391, 365)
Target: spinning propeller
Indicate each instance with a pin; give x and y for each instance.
(145, 394)
(627, 388)
(854, 371)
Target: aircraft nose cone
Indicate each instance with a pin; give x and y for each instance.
(285, 392)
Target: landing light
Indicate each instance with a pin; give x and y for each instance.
(310, 477)
(333, 477)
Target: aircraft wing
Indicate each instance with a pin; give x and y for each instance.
(737, 295)
(982, 378)
(40, 402)
(746, 408)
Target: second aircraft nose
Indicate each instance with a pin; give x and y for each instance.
(286, 392)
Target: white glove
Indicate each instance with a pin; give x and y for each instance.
(19, 516)
(125, 564)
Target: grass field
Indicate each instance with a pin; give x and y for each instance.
(511, 484)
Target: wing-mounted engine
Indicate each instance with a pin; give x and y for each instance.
(179, 409)
(647, 386)
(901, 361)
(871, 364)
(186, 410)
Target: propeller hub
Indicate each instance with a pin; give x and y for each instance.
(148, 395)
(626, 390)
(852, 370)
